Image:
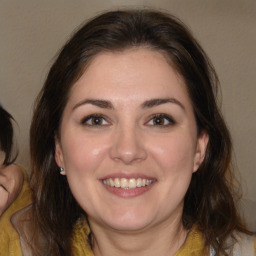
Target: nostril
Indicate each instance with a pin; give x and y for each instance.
(128, 154)
(127, 145)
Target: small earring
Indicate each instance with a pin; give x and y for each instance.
(61, 170)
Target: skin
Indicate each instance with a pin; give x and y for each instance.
(129, 143)
(11, 181)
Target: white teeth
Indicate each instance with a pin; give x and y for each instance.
(124, 183)
(117, 183)
(132, 183)
(138, 182)
(148, 182)
(112, 183)
(127, 183)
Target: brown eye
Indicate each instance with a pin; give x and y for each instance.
(94, 120)
(161, 120)
(158, 121)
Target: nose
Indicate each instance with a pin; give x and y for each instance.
(128, 145)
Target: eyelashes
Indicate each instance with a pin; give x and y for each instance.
(95, 120)
(161, 120)
(156, 120)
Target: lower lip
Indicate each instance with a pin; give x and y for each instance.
(128, 193)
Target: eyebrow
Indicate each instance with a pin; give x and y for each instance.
(157, 102)
(99, 103)
(147, 104)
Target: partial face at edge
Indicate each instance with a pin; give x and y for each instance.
(129, 142)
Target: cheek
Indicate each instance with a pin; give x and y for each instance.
(83, 155)
(173, 158)
(174, 154)
(82, 159)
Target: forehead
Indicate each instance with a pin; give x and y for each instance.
(129, 73)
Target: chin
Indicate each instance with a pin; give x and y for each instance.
(128, 222)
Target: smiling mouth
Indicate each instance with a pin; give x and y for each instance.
(127, 183)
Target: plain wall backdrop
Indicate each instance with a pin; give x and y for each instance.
(32, 32)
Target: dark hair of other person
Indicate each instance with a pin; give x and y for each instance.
(210, 199)
(6, 136)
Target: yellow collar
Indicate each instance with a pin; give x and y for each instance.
(193, 246)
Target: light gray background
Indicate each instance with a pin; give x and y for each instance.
(31, 33)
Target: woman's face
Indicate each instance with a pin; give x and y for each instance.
(128, 140)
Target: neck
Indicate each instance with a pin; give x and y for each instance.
(163, 239)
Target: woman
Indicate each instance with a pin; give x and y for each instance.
(14, 189)
(130, 154)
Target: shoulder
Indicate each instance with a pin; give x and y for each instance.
(240, 245)
(244, 245)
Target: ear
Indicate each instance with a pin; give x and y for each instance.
(59, 156)
(202, 142)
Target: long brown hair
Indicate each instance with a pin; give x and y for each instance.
(210, 199)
